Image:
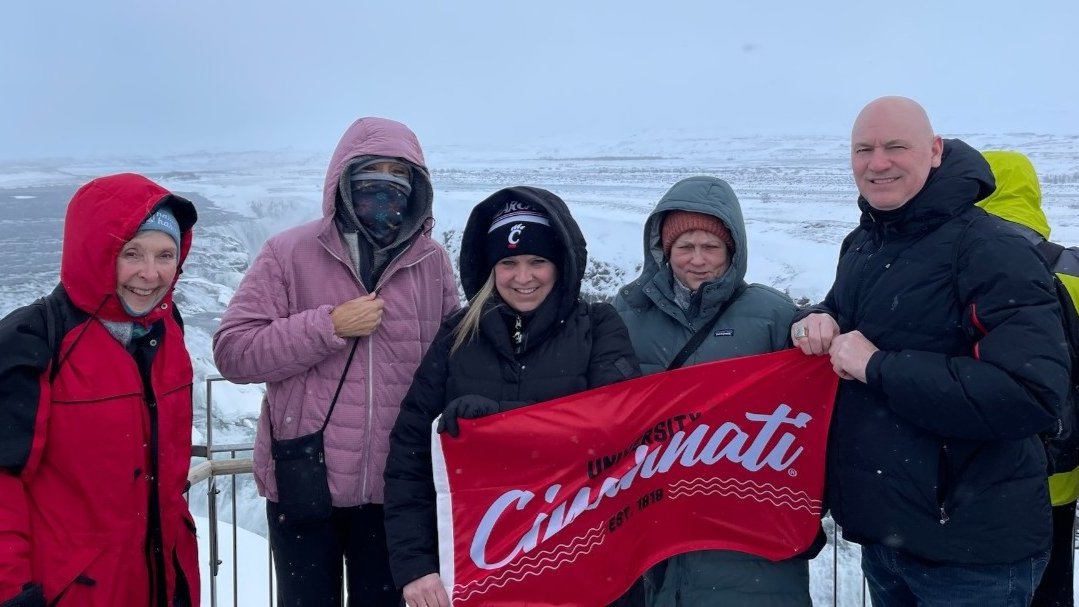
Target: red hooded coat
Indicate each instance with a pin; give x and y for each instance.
(93, 464)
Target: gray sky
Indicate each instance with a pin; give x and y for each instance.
(154, 76)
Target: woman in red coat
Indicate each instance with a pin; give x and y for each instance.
(95, 413)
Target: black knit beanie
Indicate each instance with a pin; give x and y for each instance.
(520, 228)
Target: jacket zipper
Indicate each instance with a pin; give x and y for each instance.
(390, 270)
(943, 484)
(877, 230)
(370, 418)
(155, 541)
(157, 544)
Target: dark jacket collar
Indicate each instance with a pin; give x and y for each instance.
(498, 323)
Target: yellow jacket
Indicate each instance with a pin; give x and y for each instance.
(1018, 198)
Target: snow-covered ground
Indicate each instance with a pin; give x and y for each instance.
(796, 192)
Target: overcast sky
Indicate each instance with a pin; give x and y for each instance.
(153, 76)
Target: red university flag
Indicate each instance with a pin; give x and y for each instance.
(568, 502)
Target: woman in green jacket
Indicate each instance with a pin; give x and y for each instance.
(695, 256)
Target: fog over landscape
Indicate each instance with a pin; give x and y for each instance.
(136, 78)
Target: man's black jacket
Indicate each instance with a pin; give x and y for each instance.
(937, 454)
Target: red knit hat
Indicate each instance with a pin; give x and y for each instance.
(676, 223)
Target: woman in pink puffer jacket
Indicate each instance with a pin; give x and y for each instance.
(366, 274)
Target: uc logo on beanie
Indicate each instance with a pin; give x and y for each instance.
(515, 235)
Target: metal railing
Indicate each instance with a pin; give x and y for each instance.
(221, 462)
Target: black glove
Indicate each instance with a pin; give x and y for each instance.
(31, 596)
(469, 406)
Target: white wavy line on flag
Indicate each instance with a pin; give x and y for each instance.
(555, 552)
(525, 574)
(685, 484)
(779, 501)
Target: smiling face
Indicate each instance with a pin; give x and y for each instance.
(892, 150)
(145, 270)
(698, 257)
(524, 281)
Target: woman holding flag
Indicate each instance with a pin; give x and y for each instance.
(524, 338)
(692, 305)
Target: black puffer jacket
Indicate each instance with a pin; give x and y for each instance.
(936, 454)
(571, 346)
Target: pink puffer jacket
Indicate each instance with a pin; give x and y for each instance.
(277, 330)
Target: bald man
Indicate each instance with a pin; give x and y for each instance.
(945, 326)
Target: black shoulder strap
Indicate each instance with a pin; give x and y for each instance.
(54, 334)
(337, 393)
(340, 383)
(1071, 323)
(698, 337)
(1051, 252)
(177, 317)
(60, 317)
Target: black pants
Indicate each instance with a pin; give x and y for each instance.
(308, 559)
(1055, 589)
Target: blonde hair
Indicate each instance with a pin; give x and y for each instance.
(471, 321)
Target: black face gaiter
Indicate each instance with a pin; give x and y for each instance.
(380, 206)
